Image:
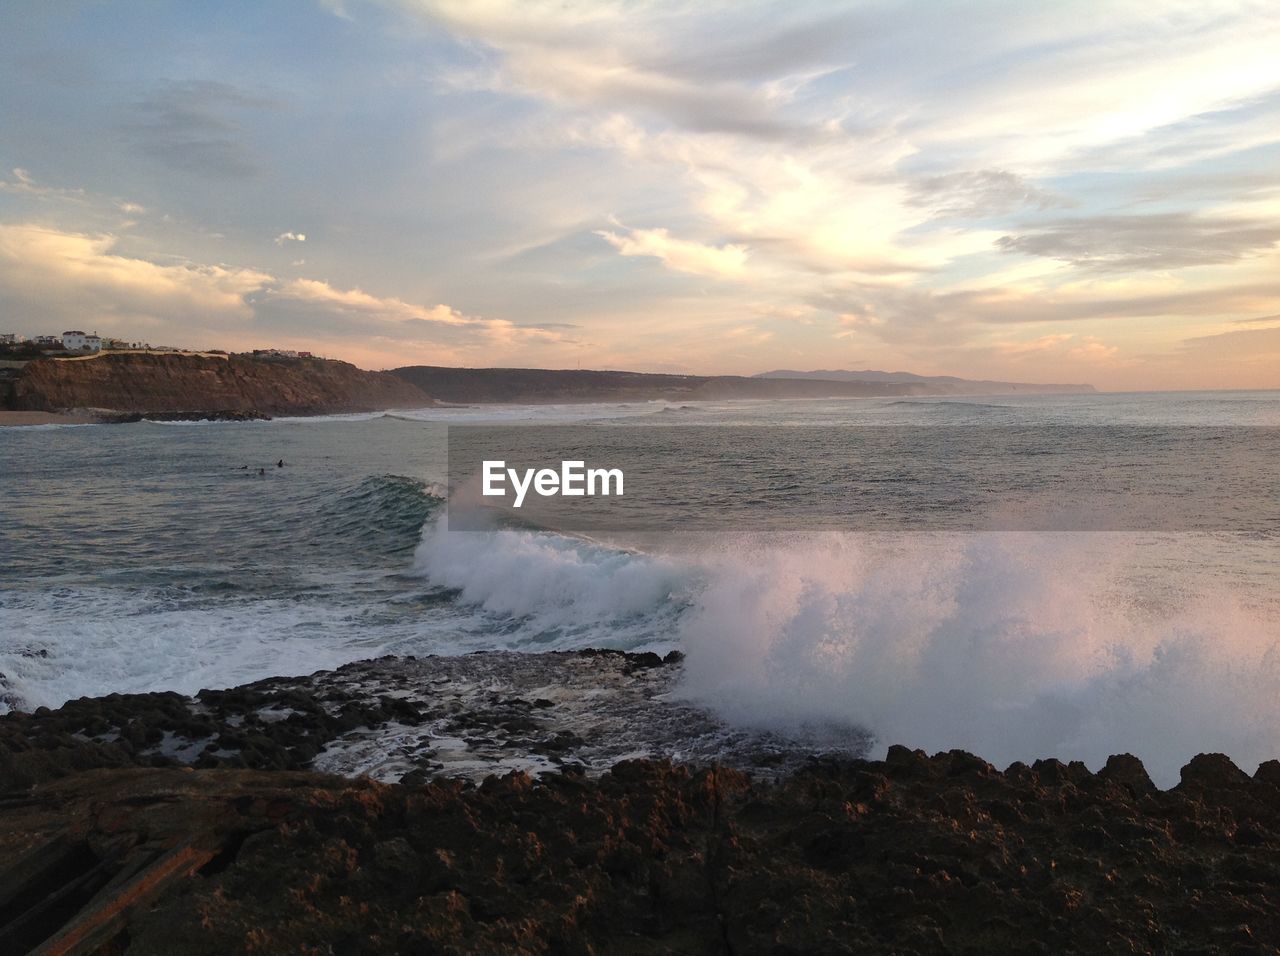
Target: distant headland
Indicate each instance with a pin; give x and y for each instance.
(531, 385)
(95, 383)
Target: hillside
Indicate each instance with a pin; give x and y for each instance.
(480, 385)
(937, 384)
(154, 383)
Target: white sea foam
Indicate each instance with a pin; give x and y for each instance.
(86, 641)
(1014, 647)
(551, 414)
(556, 589)
(53, 426)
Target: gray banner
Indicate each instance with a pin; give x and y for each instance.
(880, 478)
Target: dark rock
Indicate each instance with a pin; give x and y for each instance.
(1128, 770)
(1213, 771)
(1268, 772)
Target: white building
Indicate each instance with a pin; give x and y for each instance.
(10, 338)
(47, 340)
(77, 341)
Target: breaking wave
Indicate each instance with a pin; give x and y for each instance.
(555, 590)
(1013, 646)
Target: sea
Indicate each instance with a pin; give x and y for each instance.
(181, 556)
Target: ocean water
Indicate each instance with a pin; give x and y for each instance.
(157, 556)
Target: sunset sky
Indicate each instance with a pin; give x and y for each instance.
(1065, 192)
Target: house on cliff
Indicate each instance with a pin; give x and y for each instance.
(77, 341)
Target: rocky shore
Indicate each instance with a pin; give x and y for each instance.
(119, 835)
(409, 719)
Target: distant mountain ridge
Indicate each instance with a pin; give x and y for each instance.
(535, 385)
(540, 385)
(946, 384)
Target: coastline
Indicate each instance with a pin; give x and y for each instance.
(11, 419)
(253, 850)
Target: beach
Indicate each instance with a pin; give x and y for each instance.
(11, 418)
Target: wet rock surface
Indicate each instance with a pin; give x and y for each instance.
(409, 718)
(913, 854)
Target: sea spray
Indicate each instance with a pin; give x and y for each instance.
(1014, 647)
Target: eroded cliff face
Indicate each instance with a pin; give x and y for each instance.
(191, 383)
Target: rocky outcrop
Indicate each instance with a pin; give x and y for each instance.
(403, 719)
(108, 844)
(155, 383)
(913, 854)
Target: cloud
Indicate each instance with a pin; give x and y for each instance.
(1114, 243)
(1045, 343)
(914, 314)
(316, 306)
(1091, 349)
(191, 126)
(652, 60)
(979, 194)
(838, 157)
(59, 277)
(1250, 357)
(1260, 319)
(683, 255)
(24, 184)
(926, 188)
(1258, 346)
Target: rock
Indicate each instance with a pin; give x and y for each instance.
(652, 857)
(1128, 770)
(910, 854)
(1213, 771)
(1268, 772)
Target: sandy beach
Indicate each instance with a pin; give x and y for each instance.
(45, 418)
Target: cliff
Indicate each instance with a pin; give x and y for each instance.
(472, 385)
(154, 383)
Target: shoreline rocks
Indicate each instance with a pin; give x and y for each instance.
(913, 854)
(165, 824)
(392, 718)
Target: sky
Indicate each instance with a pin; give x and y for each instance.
(1028, 191)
